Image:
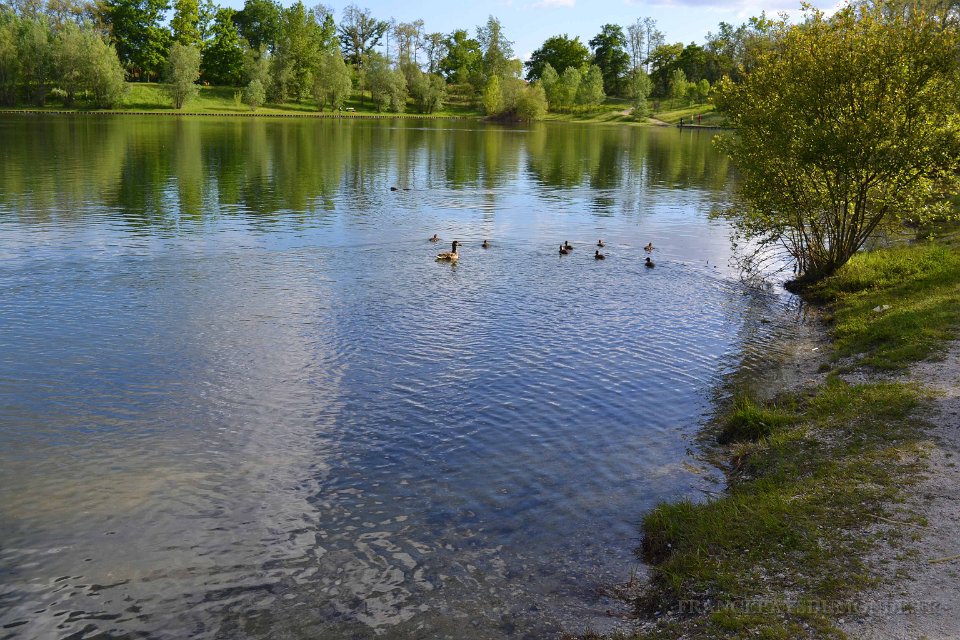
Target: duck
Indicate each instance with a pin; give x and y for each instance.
(451, 255)
(394, 188)
(485, 245)
(649, 247)
(600, 243)
(563, 250)
(599, 256)
(435, 238)
(567, 245)
(649, 263)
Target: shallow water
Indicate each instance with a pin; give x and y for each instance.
(240, 399)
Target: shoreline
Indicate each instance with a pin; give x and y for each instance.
(838, 514)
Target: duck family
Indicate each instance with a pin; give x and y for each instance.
(565, 249)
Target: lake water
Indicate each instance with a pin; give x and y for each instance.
(240, 399)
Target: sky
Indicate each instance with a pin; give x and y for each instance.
(529, 22)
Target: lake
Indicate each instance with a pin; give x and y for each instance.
(239, 398)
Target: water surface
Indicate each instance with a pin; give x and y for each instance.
(240, 399)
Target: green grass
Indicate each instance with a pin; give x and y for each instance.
(776, 554)
(750, 421)
(673, 114)
(921, 286)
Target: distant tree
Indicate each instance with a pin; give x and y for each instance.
(254, 95)
(36, 61)
(222, 55)
(332, 83)
(848, 123)
(560, 52)
(136, 29)
(463, 59)
(182, 73)
(568, 87)
(497, 50)
(303, 38)
(636, 37)
(359, 32)
(678, 84)
(85, 64)
(428, 91)
(259, 23)
(610, 55)
(642, 86)
(702, 90)
(531, 103)
(662, 63)
(590, 92)
(9, 57)
(436, 49)
(185, 22)
(549, 81)
(493, 96)
(388, 87)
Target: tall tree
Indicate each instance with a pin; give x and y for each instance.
(436, 49)
(610, 55)
(359, 32)
(182, 73)
(332, 81)
(497, 50)
(590, 91)
(222, 55)
(849, 122)
(185, 23)
(137, 32)
(464, 58)
(636, 37)
(560, 52)
(259, 23)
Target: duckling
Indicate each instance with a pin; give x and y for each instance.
(649, 247)
(451, 255)
(649, 263)
(600, 243)
(563, 250)
(485, 245)
(435, 238)
(567, 245)
(599, 256)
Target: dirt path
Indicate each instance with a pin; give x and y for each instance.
(921, 599)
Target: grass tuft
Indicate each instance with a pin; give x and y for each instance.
(749, 421)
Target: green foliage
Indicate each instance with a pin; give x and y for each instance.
(36, 62)
(87, 66)
(790, 530)
(332, 83)
(463, 60)
(254, 95)
(892, 307)
(567, 89)
(359, 33)
(641, 86)
(185, 23)
(497, 50)
(492, 97)
(848, 123)
(610, 55)
(530, 103)
(590, 90)
(388, 87)
(301, 42)
(222, 55)
(259, 23)
(549, 80)
(182, 73)
(559, 53)
(749, 421)
(678, 84)
(9, 57)
(428, 91)
(137, 32)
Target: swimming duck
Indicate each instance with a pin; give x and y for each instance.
(449, 255)
(435, 238)
(600, 242)
(649, 247)
(563, 250)
(598, 256)
(567, 245)
(485, 245)
(649, 263)
(394, 189)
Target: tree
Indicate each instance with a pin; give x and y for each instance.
(222, 56)
(359, 33)
(436, 49)
(678, 84)
(662, 63)
(259, 23)
(428, 91)
(138, 35)
(185, 22)
(9, 57)
(388, 87)
(560, 52)
(299, 45)
(497, 50)
(531, 103)
(332, 83)
(493, 97)
(549, 81)
(590, 91)
(642, 86)
(35, 57)
(254, 95)
(848, 123)
(610, 55)
(182, 73)
(567, 88)
(463, 59)
(636, 37)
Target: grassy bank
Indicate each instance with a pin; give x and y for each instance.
(148, 97)
(780, 555)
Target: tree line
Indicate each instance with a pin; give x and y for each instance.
(84, 50)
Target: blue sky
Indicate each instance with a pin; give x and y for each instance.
(529, 22)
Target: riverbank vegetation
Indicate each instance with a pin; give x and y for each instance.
(781, 553)
(87, 53)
